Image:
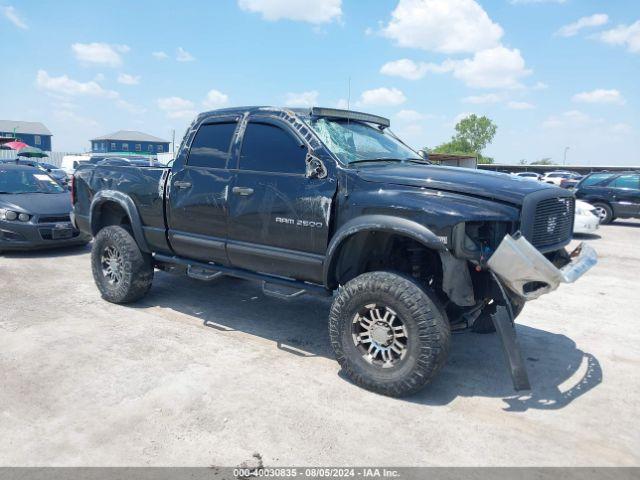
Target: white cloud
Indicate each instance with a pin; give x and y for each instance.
(498, 67)
(99, 53)
(405, 68)
(572, 29)
(303, 99)
(12, 15)
(513, 105)
(215, 99)
(342, 103)
(540, 86)
(623, 35)
(411, 70)
(571, 118)
(311, 11)
(177, 107)
(63, 85)
(621, 129)
(599, 96)
(446, 26)
(126, 79)
(160, 55)
(482, 99)
(382, 97)
(410, 116)
(183, 56)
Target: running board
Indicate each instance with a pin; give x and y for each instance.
(282, 292)
(211, 268)
(200, 273)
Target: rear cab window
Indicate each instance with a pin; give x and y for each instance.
(210, 147)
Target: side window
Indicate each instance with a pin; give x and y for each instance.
(626, 181)
(210, 147)
(267, 148)
(596, 179)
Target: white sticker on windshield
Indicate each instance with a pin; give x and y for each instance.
(42, 178)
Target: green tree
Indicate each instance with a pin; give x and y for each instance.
(543, 161)
(476, 131)
(473, 134)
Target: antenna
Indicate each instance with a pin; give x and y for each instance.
(349, 95)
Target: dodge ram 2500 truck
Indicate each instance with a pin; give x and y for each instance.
(331, 202)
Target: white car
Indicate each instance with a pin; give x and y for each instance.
(71, 162)
(557, 176)
(586, 218)
(531, 175)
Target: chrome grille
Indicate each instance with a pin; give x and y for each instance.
(553, 221)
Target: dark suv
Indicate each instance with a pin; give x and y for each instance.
(614, 195)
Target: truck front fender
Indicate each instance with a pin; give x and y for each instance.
(377, 223)
(125, 202)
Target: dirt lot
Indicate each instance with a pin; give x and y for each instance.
(201, 374)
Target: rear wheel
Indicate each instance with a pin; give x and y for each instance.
(388, 334)
(604, 212)
(122, 272)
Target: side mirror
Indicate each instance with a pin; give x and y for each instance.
(424, 154)
(315, 166)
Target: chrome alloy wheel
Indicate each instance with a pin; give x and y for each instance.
(112, 265)
(601, 212)
(380, 335)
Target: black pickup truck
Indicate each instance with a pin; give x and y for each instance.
(331, 202)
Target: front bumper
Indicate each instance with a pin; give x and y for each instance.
(529, 274)
(30, 235)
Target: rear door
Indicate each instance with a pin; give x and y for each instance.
(279, 218)
(626, 195)
(198, 194)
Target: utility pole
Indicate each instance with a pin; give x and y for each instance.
(566, 149)
(173, 142)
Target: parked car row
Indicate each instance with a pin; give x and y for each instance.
(559, 178)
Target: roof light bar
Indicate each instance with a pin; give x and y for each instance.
(350, 115)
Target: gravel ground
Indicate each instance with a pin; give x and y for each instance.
(211, 373)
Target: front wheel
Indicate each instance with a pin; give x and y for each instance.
(388, 334)
(604, 212)
(122, 272)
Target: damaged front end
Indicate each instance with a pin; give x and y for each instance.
(529, 274)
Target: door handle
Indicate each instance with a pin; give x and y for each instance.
(245, 191)
(181, 184)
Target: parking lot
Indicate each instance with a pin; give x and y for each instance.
(211, 373)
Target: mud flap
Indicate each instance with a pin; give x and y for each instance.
(506, 329)
(504, 321)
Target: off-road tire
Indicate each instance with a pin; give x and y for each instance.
(137, 266)
(608, 218)
(428, 333)
(484, 323)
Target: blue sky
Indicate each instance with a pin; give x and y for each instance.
(551, 73)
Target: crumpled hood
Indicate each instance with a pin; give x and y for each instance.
(37, 203)
(496, 186)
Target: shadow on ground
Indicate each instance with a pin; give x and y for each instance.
(48, 252)
(558, 370)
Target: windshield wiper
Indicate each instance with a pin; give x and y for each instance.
(362, 160)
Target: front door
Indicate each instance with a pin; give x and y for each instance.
(198, 194)
(279, 218)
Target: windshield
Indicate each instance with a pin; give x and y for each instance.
(27, 181)
(353, 141)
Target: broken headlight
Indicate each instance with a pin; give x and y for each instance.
(478, 240)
